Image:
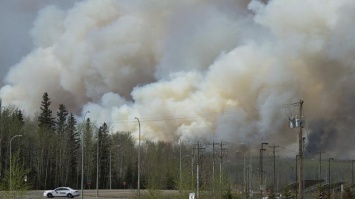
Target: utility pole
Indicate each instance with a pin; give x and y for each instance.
(329, 179)
(300, 153)
(213, 168)
(192, 167)
(299, 123)
(197, 170)
(320, 165)
(261, 167)
(274, 156)
(296, 173)
(220, 165)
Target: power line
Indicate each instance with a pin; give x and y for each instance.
(192, 116)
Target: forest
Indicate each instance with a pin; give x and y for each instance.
(47, 152)
(49, 148)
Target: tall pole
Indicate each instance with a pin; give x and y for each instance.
(180, 167)
(111, 166)
(213, 171)
(139, 158)
(296, 172)
(245, 184)
(82, 158)
(192, 167)
(300, 153)
(352, 171)
(250, 172)
(320, 165)
(303, 149)
(221, 167)
(274, 157)
(244, 176)
(261, 167)
(11, 160)
(329, 179)
(97, 162)
(220, 163)
(197, 170)
(245, 173)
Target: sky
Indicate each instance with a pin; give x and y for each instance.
(16, 21)
(192, 69)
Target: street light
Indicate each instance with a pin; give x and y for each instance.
(110, 164)
(139, 157)
(11, 160)
(82, 158)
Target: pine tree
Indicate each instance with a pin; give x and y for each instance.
(62, 163)
(104, 150)
(46, 164)
(61, 119)
(20, 116)
(45, 119)
(73, 140)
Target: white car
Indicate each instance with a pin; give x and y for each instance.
(62, 192)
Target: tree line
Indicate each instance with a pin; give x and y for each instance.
(48, 154)
(50, 150)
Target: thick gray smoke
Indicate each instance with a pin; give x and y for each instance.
(197, 69)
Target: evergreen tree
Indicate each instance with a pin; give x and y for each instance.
(61, 119)
(104, 150)
(20, 116)
(129, 177)
(73, 140)
(61, 157)
(86, 130)
(47, 143)
(45, 119)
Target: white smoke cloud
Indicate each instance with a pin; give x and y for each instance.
(193, 69)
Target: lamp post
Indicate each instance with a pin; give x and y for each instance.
(329, 179)
(139, 156)
(82, 159)
(111, 164)
(261, 167)
(11, 160)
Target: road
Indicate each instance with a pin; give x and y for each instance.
(102, 194)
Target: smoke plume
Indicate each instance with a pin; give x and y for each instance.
(190, 69)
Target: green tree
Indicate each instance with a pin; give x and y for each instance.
(45, 119)
(104, 150)
(73, 149)
(47, 145)
(61, 158)
(61, 122)
(87, 131)
(123, 159)
(16, 183)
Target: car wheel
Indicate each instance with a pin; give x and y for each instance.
(70, 196)
(49, 195)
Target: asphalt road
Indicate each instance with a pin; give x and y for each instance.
(102, 194)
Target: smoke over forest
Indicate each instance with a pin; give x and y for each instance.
(191, 69)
